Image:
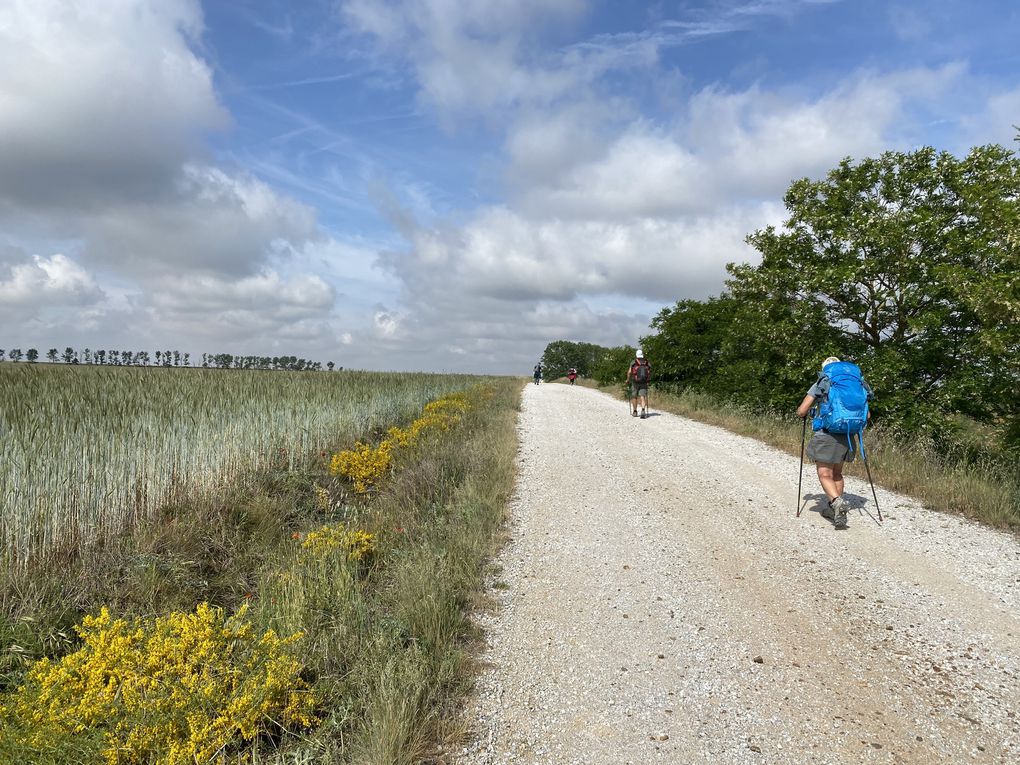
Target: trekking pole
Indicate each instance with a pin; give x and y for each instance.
(800, 476)
(873, 494)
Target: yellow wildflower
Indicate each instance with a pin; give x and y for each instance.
(174, 690)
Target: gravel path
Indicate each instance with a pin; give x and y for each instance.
(660, 603)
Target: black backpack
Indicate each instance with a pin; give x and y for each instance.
(643, 372)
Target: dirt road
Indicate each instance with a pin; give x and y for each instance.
(660, 603)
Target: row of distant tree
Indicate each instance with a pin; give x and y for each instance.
(122, 358)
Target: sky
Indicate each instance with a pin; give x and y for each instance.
(441, 185)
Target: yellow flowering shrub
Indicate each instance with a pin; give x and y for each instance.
(364, 465)
(359, 545)
(176, 690)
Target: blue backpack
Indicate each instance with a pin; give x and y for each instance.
(845, 409)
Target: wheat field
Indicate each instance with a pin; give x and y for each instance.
(86, 451)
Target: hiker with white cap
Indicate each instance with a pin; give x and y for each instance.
(840, 387)
(638, 376)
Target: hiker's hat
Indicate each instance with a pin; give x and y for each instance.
(830, 360)
(640, 354)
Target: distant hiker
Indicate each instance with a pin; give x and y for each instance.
(538, 373)
(572, 375)
(842, 395)
(638, 376)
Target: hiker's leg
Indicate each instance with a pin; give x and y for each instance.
(837, 478)
(828, 482)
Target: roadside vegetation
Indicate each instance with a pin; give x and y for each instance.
(310, 606)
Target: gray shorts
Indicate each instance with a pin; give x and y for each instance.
(830, 448)
(636, 391)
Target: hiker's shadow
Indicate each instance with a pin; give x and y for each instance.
(816, 503)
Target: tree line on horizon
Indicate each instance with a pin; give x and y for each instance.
(907, 264)
(167, 358)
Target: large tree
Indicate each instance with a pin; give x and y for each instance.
(561, 355)
(908, 262)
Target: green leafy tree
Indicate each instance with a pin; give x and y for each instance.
(559, 356)
(32, 356)
(52, 355)
(906, 262)
(613, 365)
(689, 339)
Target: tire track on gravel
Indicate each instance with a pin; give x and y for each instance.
(653, 563)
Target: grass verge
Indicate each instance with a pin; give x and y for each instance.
(379, 624)
(982, 491)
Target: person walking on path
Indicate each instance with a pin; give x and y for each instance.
(538, 373)
(638, 376)
(830, 450)
(572, 375)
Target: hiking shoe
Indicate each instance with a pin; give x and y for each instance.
(633, 412)
(839, 507)
(644, 414)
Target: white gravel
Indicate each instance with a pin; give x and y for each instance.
(660, 603)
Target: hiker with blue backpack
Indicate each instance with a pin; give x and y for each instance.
(842, 395)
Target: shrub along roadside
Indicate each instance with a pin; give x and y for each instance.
(390, 651)
(982, 490)
(375, 584)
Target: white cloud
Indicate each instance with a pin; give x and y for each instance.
(636, 210)
(728, 145)
(387, 324)
(262, 309)
(53, 280)
(476, 56)
(655, 211)
(300, 296)
(211, 222)
(997, 121)
(99, 101)
(104, 111)
(504, 255)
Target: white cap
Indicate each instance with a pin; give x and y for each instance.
(640, 355)
(830, 360)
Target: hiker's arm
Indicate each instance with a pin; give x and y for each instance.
(805, 406)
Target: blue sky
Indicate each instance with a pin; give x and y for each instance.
(441, 184)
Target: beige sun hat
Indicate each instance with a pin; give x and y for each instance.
(830, 360)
